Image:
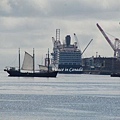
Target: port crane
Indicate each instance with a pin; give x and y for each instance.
(115, 46)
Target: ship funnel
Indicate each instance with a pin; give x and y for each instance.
(68, 40)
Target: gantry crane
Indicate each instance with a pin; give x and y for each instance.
(115, 46)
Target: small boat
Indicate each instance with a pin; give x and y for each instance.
(28, 68)
(115, 75)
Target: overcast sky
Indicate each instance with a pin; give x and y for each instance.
(32, 23)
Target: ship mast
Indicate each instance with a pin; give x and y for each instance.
(33, 61)
(19, 59)
(48, 60)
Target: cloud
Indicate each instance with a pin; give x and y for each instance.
(23, 8)
(59, 8)
(5, 8)
(32, 23)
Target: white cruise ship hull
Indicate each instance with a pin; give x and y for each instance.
(70, 69)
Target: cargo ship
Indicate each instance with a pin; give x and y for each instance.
(66, 56)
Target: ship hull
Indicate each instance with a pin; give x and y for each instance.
(115, 75)
(70, 69)
(15, 73)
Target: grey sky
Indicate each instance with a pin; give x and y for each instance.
(32, 23)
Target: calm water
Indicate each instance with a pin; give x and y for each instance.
(67, 97)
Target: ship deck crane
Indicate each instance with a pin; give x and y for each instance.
(115, 46)
(79, 44)
(87, 46)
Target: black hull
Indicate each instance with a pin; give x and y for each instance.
(115, 75)
(70, 69)
(27, 74)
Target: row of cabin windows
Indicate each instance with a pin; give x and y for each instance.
(69, 54)
(70, 63)
(70, 59)
(64, 56)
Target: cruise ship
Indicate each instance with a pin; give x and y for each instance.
(66, 56)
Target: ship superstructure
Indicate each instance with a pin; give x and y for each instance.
(66, 56)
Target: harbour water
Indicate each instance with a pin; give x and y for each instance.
(67, 97)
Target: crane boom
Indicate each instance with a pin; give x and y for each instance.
(77, 40)
(106, 37)
(53, 40)
(87, 46)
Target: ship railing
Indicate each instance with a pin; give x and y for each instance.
(11, 68)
